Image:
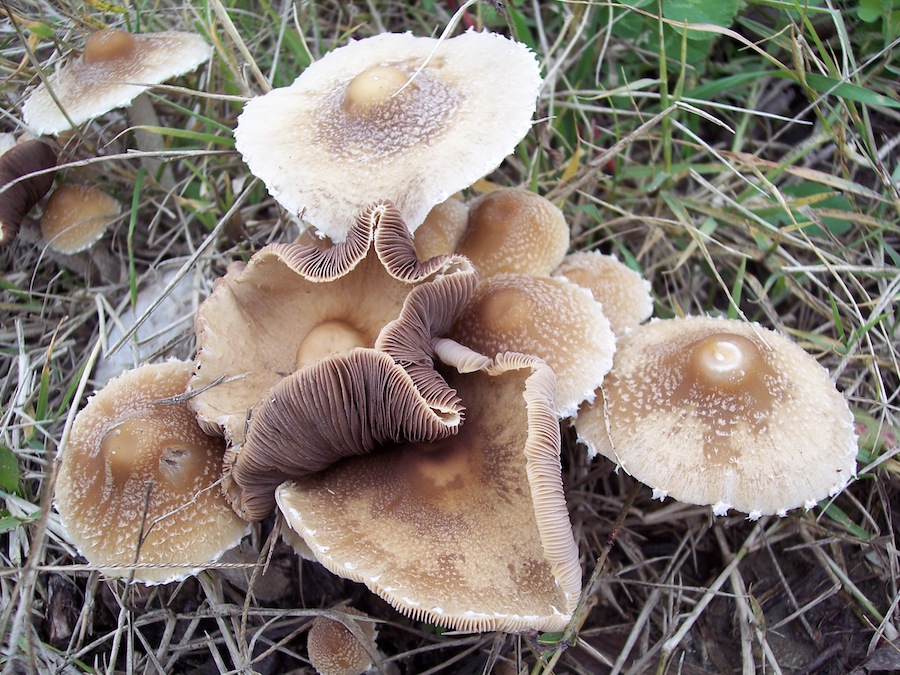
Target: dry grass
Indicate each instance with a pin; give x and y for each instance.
(699, 192)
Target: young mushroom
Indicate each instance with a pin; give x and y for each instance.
(334, 650)
(443, 226)
(512, 230)
(623, 293)
(20, 191)
(389, 117)
(722, 412)
(550, 318)
(139, 481)
(76, 216)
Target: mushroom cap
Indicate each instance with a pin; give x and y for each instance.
(136, 461)
(469, 532)
(76, 216)
(343, 134)
(17, 200)
(722, 412)
(115, 68)
(334, 650)
(442, 229)
(512, 230)
(623, 293)
(549, 318)
(266, 320)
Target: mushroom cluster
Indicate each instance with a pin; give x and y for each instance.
(393, 382)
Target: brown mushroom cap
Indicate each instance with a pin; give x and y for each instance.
(443, 227)
(76, 216)
(133, 462)
(469, 532)
(549, 318)
(623, 293)
(722, 412)
(17, 200)
(344, 134)
(334, 650)
(115, 67)
(511, 230)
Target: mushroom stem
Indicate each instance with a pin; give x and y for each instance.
(141, 114)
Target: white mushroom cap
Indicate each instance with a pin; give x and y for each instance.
(725, 413)
(343, 135)
(115, 67)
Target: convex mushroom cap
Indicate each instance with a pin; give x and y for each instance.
(364, 123)
(722, 412)
(135, 459)
(547, 317)
(442, 229)
(512, 230)
(623, 293)
(334, 650)
(471, 531)
(76, 216)
(115, 67)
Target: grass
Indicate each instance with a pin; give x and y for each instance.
(746, 169)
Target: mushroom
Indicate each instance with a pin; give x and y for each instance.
(443, 226)
(139, 480)
(342, 406)
(19, 190)
(76, 216)
(470, 531)
(266, 320)
(550, 318)
(722, 412)
(511, 230)
(334, 650)
(115, 67)
(623, 293)
(389, 117)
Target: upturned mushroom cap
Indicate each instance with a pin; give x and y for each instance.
(16, 200)
(549, 318)
(266, 320)
(334, 650)
(722, 412)
(115, 67)
(342, 406)
(135, 463)
(511, 230)
(76, 216)
(469, 532)
(344, 133)
(623, 293)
